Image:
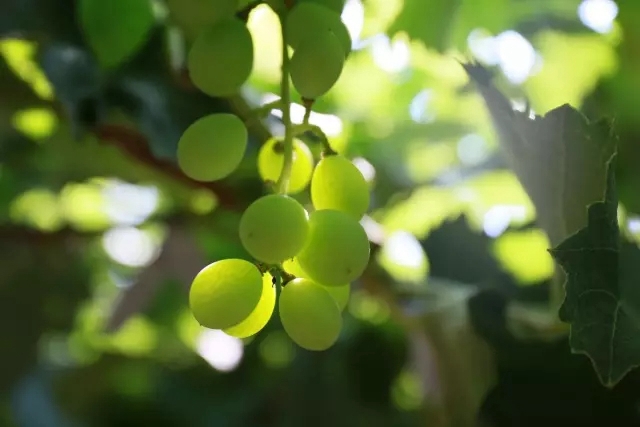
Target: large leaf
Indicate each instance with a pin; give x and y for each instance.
(115, 29)
(603, 297)
(560, 158)
(427, 21)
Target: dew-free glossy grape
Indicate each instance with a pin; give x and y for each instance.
(225, 293)
(310, 19)
(340, 294)
(316, 65)
(260, 316)
(336, 250)
(212, 147)
(309, 315)
(221, 58)
(338, 184)
(271, 161)
(193, 16)
(274, 228)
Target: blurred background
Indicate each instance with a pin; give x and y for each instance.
(100, 234)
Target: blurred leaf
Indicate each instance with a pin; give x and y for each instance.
(560, 82)
(603, 296)
(524, 254)
(559, 158)
(427, 21)
(115, 29)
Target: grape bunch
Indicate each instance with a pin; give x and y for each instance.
(302, 258)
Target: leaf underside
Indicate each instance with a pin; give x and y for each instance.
(602, 301)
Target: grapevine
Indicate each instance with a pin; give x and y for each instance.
(303, 257)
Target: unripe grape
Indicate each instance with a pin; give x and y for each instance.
(309, 315)
(271, 161)
(212, 147)
(221, 58)
(311, 20)
(193, 16)
(316, 65)
(274, 228)
(340, 294)
(337, 248)
(225, 293)
(260, 316)
(338, 184)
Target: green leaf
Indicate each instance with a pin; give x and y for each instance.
(115, 29)
(427, 21)
(602, 294)
(559, 158)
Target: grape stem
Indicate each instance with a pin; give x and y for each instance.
(285, 96)
(319, 133)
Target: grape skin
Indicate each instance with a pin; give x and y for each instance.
(274, 228)
(338, 184)
(316, 65)
(225, 293)
(193, 16)
(221, 59)
(337, 248)
(309, 315)
(308, 20)
(271, 161)
(339, 293)
(260, 316)
(212, 147)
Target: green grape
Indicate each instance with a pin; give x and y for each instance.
(338, 184)
(316, 65)
(339, 293)
(225, 293)
(193, 16)
(271, 161)
(212, 147)
(337, 248)
(308, 20)
(221, 58)
(309, 315)
(274, 228)
(335, 5)
(292, 266)
(260, 316)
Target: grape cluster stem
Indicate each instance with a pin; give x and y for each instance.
(285, 97)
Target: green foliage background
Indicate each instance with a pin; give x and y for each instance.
(100, 234)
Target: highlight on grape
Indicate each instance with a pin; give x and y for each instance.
(300, 259)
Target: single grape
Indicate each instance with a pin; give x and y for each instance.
(274, 228)
(339, 293)
(310, 20)
(221, 58)
(260, 316)
(338, 184)
(193, 16)
(212, 147)
(271, 161)
(337, 248)
(316, 65)
(225, 293)
(309, 315)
